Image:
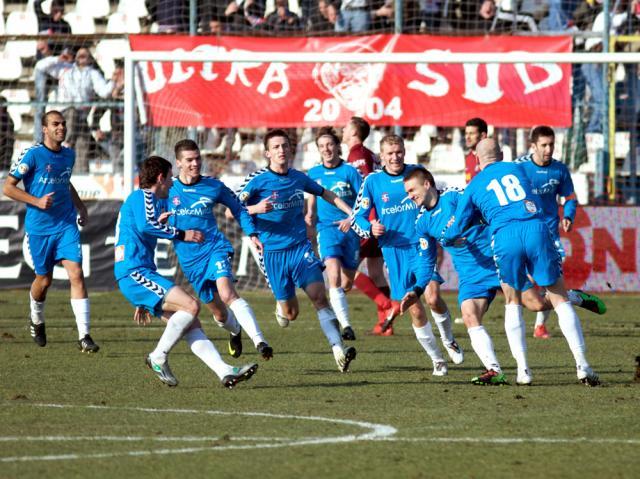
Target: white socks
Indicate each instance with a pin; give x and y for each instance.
(443, 321)
(230, 324)
(572, 331)
(541, 317)
(338, 301)
(483, 346)
(207, 352)
(329, 326)
(247, 319)
(427, 340)
(81, 311)
(178, 323)
(515, 329)
(37, 310)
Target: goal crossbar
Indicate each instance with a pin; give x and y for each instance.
(242, 56)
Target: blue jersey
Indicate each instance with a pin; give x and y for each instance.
(44, 171)
(284, 225)
(344, 180)
(548, 182)
(501, 194)
(137, 232)
(472, 257)
(193, 209)
(385, 192)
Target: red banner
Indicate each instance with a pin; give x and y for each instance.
(294, 95)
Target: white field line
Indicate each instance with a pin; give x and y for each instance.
(373, 431)
(376, 432)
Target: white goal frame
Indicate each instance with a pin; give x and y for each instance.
(131, 58)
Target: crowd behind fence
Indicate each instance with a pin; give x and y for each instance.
(68, 56)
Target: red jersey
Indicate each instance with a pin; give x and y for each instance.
(363, 159)
(471, 166)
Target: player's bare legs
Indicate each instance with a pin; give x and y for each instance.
(338, 278)
(37, 297)
(424, 335)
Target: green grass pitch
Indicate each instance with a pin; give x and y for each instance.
(66, 414)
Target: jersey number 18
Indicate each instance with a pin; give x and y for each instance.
(507, 190)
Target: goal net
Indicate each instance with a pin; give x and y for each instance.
(225, 93)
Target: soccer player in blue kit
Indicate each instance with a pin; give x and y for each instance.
(395, 230)
(338, 250)
(207, 265)
(551, 181)
(52, 235)
(142, 220)
(275, 197)
(522, 246)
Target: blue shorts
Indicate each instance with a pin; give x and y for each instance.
(145, 288)
(203, 280)
(47, 250)
(526, 247)
(483, 284)
(333, 243)
(293, 267)
(402, 265)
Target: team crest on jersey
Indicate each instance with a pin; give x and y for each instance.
(23, 168)
(49, 168)
(274, 195)
(530, 206)
(176, 201)
(365, 203)
(424, 244)
(244, 196)
(385, 197)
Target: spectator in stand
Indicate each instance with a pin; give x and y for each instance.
(282, 19)
(355, 16)
(172, 16)
(430, 15)
(7, 136)
(113, 142)
(244, 14)
(474, 15)
(78, 82)
(475, 130)
(51, 24)
(384, 16)
(324, 18)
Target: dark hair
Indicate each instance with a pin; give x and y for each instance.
(185, 145)
(542, 130)
(362, 127)
(327, 131)
(479, 123)
(272, 134)
(422, 174)
(45, 117)
(151, 168)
